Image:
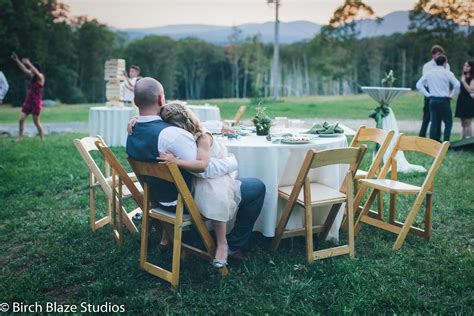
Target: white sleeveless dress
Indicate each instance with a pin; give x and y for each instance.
(217, 198)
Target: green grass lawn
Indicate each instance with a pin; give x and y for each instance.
(49, 253)
(408, 107)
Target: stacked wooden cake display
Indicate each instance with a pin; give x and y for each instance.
(113, 74)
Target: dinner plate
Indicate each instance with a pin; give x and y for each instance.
(245, 132)
(330, 135)
(295, 142)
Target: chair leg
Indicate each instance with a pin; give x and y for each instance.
(92, 203)
(144, 235)
(119, 213)
(428, 215)
(129, 222)
(282, 224)
(408, 222)
(357, 199)
(330, 220)
(177, 234)
(365, 211)
(393, 205)
(309, 233)
(350, 219)
(308, 210)
(380, 205)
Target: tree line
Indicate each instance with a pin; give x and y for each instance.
(72, 52)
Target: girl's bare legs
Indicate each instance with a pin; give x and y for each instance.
(467, 127)
(222, 247)
(38, 126)
(21, 125)
(463, 128)
(164, 238)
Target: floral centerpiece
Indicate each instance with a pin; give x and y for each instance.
(382, 111)
(388, 80)
(262, 121)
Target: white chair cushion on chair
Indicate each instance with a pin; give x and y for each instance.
(320, 194)
(186, 217)
(361, 174)
(392, 186)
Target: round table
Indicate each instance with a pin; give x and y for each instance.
(278, 165)
(110, 123)
(206, 112)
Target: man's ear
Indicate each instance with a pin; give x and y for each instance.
(161, 100)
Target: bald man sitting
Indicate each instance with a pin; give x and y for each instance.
(152, 136)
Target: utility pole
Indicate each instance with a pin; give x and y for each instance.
(276, 52)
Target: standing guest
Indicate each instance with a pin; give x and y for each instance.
(3, 87)
(435, 86)
(33, 101)
(465, 103)
(129, 84)
(436, 51)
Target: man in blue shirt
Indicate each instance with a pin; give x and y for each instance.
(435, 85)
(152, 136)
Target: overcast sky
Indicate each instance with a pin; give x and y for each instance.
(149, 13)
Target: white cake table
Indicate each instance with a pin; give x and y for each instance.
(110, 123)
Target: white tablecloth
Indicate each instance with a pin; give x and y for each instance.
(389, 123)
(278, 165)
(110, 123)
(206, 112)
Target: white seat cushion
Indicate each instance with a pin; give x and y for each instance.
(320, 194)
(186, 217)
(361, 174)
(391, 186)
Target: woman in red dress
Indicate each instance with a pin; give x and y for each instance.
(33, 101)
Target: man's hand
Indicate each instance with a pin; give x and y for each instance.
(167, 157)
(228, 130)
(131, 124)
(26, 61)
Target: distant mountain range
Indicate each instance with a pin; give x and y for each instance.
(290, 32)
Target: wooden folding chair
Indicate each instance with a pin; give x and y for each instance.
(96, 178)
(317, 195)
(173, 223)
(238, 116)
(393, 186)
(382, 139)
(123, 187)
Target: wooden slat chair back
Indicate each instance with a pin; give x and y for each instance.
(316, 195)
(123, 187)
(97, 178)
(173, 223)
(383, 139)
(423, 193)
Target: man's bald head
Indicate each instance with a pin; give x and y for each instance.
(148, 92)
